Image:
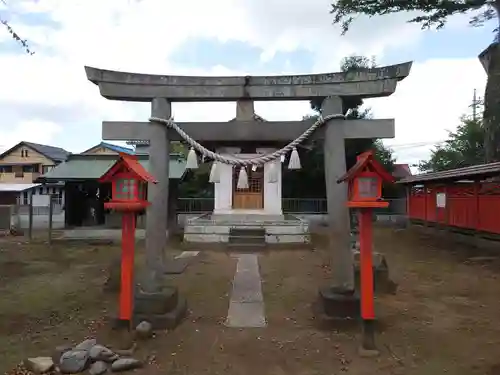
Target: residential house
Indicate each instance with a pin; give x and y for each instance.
(24, 163)
(105, 148)
(85, 196)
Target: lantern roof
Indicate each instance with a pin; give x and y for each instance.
(366, 161)
(130, 164)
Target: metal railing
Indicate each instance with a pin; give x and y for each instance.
(39, 211)
(290, 205)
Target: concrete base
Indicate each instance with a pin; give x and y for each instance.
(164, 309)
(337, 308)
(278, 229)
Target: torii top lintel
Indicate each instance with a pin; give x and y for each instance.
(367, 83)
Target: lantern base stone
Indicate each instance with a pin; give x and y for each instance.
(164, 309)
(160, 302)
(382, 282)
(337, 308)
(169, 320)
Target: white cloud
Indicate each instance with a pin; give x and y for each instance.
(38, 131)
(141, 36)
(429, 102)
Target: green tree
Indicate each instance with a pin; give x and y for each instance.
(312, 160)
(312, 156)
(463, 148)
(435, 14)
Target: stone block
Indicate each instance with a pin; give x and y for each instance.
(338, 308)
(156, 303)
(168, 320)
(381, 280)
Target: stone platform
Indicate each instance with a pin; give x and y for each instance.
(252, 229)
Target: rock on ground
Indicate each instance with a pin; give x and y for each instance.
(101, 353)
(124, 364)
(86, 344)
(39, 365)
(144, 330)
(98, 368)
(59, 351)
(74, 361)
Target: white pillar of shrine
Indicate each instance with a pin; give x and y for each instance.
(272, 190)
(223, 190)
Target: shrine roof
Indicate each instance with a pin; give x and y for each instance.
(365, 160)
(475, 172)
(131, 163)
(92, 167)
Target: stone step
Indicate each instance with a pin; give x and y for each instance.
(246, 218)
(247, 236)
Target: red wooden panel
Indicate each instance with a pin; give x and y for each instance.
(489, 217)
(462, 211)
(417, 207)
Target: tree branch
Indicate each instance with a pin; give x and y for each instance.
(16, 36)
(435, 12)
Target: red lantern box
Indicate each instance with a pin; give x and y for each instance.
(129, 182)
(365, 180)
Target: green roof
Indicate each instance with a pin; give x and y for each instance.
(92, 167)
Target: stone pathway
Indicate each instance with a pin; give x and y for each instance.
(187, 254)
(246, 306)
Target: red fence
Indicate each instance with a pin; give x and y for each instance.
(466, 205)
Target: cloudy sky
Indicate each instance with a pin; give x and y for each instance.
(46, 98)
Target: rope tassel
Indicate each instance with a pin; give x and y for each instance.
(214, 173)
(242, 178)
(294, 162)
(192, 160)
(273, 173)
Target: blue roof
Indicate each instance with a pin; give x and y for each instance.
(116, 148)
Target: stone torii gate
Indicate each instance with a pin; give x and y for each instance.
(162, 90)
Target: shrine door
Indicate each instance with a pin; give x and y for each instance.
(253, 197)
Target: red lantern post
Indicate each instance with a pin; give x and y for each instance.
(129, 181)
(365, 193)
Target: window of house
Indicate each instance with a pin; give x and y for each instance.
(25, 197)
(28, 169)
(6, 169)
(47, 168)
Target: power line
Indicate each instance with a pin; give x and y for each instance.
(416, 144)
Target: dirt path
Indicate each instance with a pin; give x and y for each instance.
(444, 318)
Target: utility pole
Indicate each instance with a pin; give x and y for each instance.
(476, 103)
